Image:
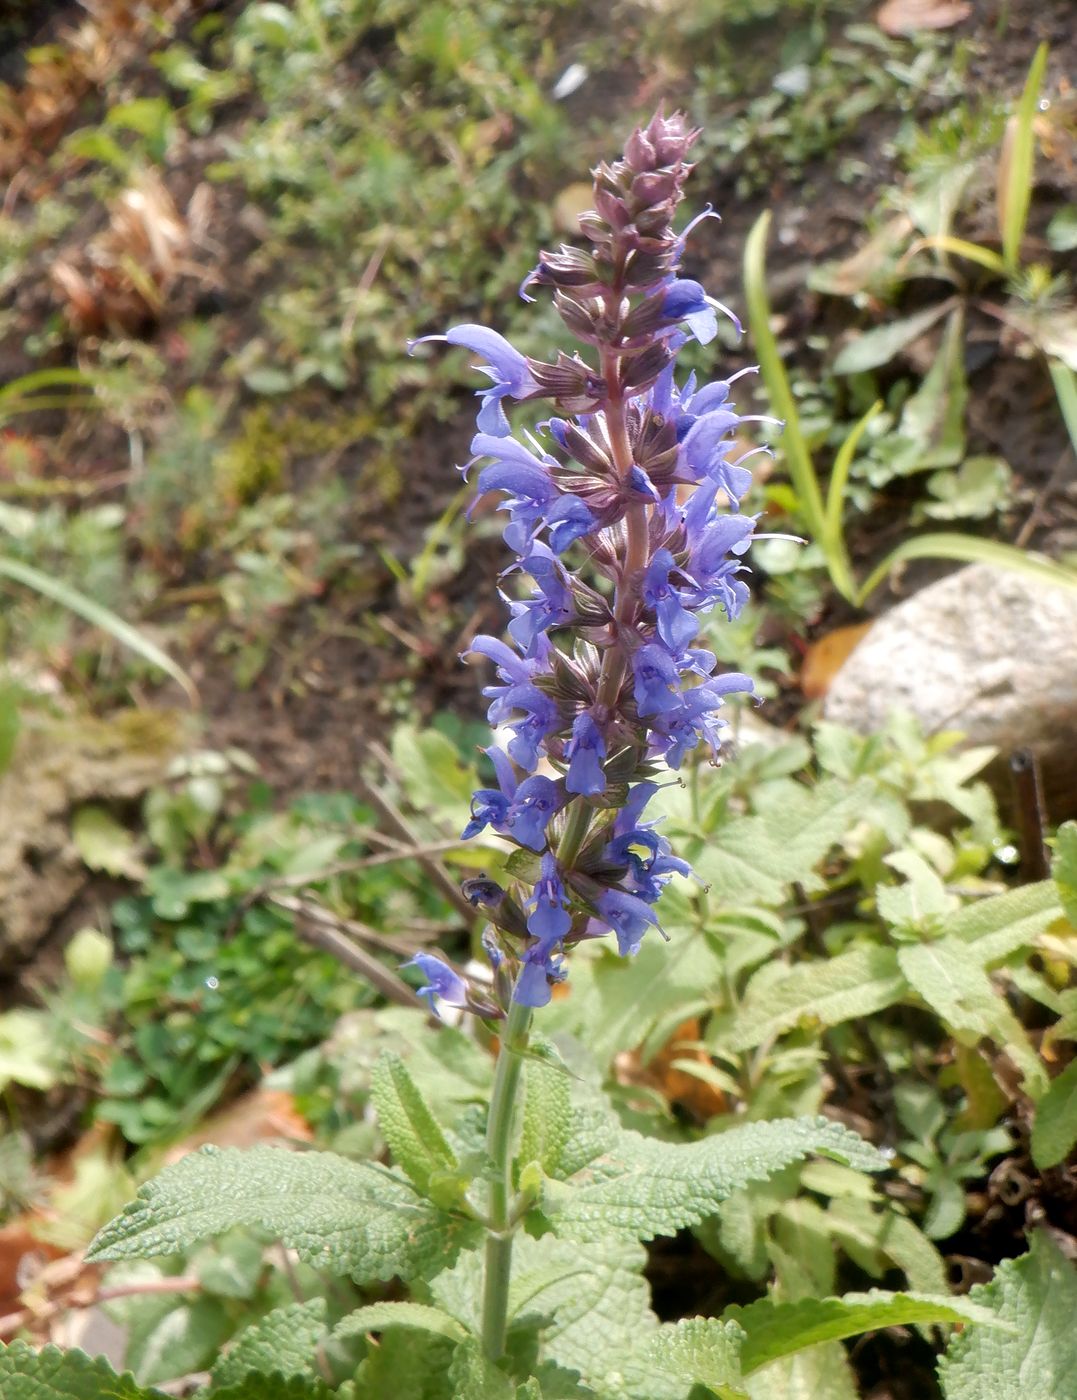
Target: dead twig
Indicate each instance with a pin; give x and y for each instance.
(324, 930)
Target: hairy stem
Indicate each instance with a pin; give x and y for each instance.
(499, 1135)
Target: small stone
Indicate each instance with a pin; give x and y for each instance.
(986, 651)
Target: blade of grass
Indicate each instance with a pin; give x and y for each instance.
(99, 616)
(1017, 161)
(1065, 382)
(964, 249)
(839, 476)
(797, 456)
(968, 549)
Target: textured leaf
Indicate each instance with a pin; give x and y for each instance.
(1000, 925)
(274, 1387)
(414, 1317)
(646, 1187)
(415, 1140)
(347, 1217)
(1055, 1129)
(947, 977)
(856, 983)
(1037, 1296)
(547, 1115)
(779, 1329)
(820, 1373)
(284, 1340)
(406, 1366)
(52, 1374)
(700, 1351)
(169, 1336)
(475, 1378)
(755, 859)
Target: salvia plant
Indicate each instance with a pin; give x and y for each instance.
(516, 1226)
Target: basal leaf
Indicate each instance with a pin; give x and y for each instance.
(1055, 1129)
(645, 1187)
(856, 983)
(284, 1340)
(417, 1143)
(776, 1329)
(52, 1374)
(1036, 1295)
(346, 1217)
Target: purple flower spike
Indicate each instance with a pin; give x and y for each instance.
(603, 679)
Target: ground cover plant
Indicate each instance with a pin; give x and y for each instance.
(821, 1140)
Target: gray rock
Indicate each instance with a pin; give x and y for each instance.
(58, 765)
(985, 651)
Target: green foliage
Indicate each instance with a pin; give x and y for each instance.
(284, 1341)
(774, 1329)
(52, 1374)
(1034, 1355)
(641, 1187)
(349, 1218)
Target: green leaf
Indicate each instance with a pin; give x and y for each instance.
(979, 488)
(1036, 1296)
(417, 1143)
(415, 1317)
(274, 1386)
(28, 1051)
(1064, 869)
(169, 1336)
(878, 346)
(962, 995)
(644, 1187)
(547, 1114)
(52, 1374)
(1062, 229)
(999, 926)
(346, 1217)
(434, 776)
(700, 1351)
(1055, 1129)
(855, 983)
(284, 1340)
(1017, 160)
(98, 616)
(406, 1364)
(473, 1377)
(778, 1329)
(104, 844)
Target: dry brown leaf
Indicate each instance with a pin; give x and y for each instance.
(664, 1073)
(263, 1115)
(899, 17)
(825, 658)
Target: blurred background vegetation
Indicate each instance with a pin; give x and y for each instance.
(222, 224)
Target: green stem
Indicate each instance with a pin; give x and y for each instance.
(499, 1134)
